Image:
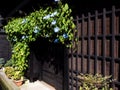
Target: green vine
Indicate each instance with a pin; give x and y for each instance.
(54, 24)
(20, 54)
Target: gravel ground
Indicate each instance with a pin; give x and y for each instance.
(37, 85)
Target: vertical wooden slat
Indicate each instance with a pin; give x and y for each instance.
(72, 69)
(82, 42)
(31, 66)
(113, 38)
(89, 29)
(66, 70)
(104, 39)
(96, 29)
(77, 56)
(113, 41)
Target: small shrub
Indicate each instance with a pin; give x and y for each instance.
(94, 82)
(13, 73)
(9, 71)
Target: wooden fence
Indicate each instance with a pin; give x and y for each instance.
(98, 49)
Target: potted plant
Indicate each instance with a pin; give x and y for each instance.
(15, 75)
(17, 78)
(9, 71)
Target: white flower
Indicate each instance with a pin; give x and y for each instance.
(56, 29)
(65, 35)
(23, 37)
(24, 21)
(53, 14)
(57, 0)
(53, 22)
(36, 27)
(36, 31)
(46, 17)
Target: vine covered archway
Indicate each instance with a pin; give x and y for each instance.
(55, 24)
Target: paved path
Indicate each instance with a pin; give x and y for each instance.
(37, 85)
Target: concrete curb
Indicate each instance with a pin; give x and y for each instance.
(6, 83)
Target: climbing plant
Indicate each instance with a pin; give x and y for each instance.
(55, 24)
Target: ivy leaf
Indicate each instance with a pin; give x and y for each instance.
(66, 7)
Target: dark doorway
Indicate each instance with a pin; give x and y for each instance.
(47, 62)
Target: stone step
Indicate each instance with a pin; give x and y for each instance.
(37, 85)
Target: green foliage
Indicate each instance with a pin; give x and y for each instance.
(54, 24)
(2, 62)
(94, 82)
(8, 63)
(19, 59)
(9, 71)
(13, 73)
(19, 56)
